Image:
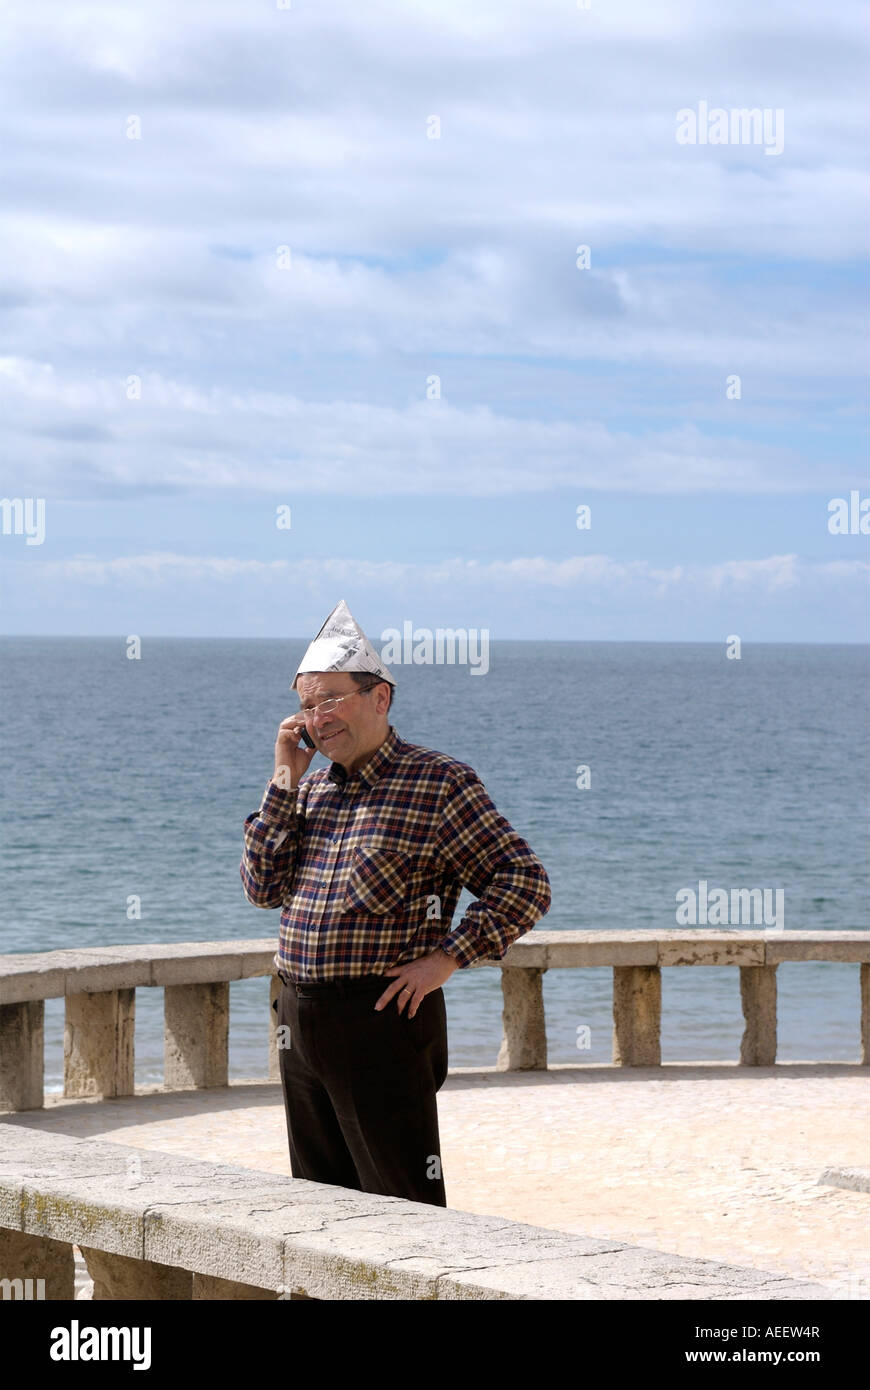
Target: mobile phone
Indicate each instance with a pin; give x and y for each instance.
(307, 739)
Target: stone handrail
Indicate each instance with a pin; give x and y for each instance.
(99, 985)
(160, 1226)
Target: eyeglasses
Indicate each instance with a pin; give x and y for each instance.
(327, 706)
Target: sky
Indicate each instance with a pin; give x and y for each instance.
(317, 301)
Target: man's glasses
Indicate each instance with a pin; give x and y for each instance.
(327, 706)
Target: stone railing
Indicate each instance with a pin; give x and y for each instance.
(637, 958)
(99, 985)
(163, 1226)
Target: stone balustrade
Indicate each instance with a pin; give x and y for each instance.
(99, 985)
(161, 1226)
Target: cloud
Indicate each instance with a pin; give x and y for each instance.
(263, 127)
(174, 435)
(764, 577)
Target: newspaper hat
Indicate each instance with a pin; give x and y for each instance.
(341, 645)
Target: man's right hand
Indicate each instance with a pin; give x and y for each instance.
(292, 758)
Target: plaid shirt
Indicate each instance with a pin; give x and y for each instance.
(368, 867)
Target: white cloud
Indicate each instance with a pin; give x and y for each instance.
(180, 436)
(766, 577)
(306, 127)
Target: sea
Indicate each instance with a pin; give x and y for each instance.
(636, 771)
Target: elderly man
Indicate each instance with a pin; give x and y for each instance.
(367, 859)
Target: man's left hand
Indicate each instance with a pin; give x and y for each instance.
(417, 979)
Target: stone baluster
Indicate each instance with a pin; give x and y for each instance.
(22, 1054)
(637, 1016)
(196, 1036)
(98, 1043)
(524, 1043)
(37, 1267)
(120, 1277)
(758, 1001)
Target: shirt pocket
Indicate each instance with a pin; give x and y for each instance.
(378, 880)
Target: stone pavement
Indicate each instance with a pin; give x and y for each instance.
(705, 1159)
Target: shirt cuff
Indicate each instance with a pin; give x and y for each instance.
(279, 805)
(465, 947)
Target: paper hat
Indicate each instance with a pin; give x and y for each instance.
(341, 645)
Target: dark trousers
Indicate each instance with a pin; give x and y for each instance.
(360, 1087)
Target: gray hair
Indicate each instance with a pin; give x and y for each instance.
(365, 678)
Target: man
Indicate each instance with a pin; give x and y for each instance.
(367, 860)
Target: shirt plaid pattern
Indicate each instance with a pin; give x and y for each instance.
(362, 864)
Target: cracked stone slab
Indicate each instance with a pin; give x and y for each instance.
(242, 1237)
(285, 1234)
(571, 1281)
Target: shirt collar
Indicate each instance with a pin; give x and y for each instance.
(374, 767)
